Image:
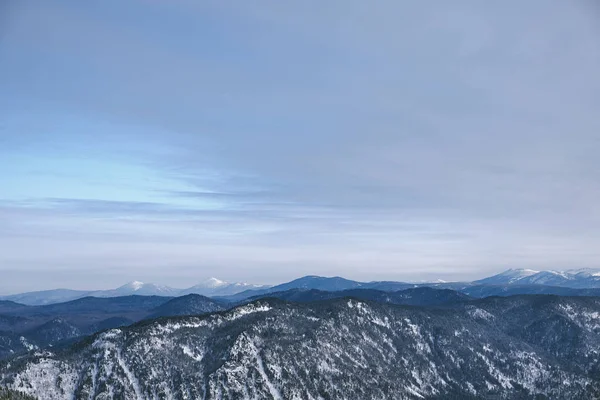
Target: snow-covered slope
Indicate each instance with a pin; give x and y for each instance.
(507, 277)
(340, 349)
(579, 278)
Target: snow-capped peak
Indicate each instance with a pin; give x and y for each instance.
(137, 288)
(521, 272)
(509, 276)
(584, 272)
(135, 285)
(212, 283)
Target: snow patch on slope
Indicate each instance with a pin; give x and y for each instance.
(46, 379)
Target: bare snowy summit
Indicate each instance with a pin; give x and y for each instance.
(212, 283)
(135, 285)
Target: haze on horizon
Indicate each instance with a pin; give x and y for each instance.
(171, 141)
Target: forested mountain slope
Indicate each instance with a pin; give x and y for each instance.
(541, 347)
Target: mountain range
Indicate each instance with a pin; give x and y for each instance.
(575, 278)
(25, 327)
(518, 334)
(519, 347)
(512, 281)
(209, 287)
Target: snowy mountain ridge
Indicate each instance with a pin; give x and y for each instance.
(583, 278)
(208, 287)
(574, 278)
(545, 347)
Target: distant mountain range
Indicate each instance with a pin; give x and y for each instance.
(210, 287)
(421, 296)
(513, 281)
(581, 282)
(575, 278)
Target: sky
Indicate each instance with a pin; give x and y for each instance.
(172, 141)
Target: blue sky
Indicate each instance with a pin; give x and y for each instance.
(170, 141)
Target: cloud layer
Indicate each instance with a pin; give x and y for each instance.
(171, 141)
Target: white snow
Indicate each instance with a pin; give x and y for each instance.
(27, 345)
(190, 353)
(478, 313)
(583, 277)
(248, 309)
(261, 370)
(41, 379)
(130, 376)
(518, 274)
(136, 285)
(212, 283)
